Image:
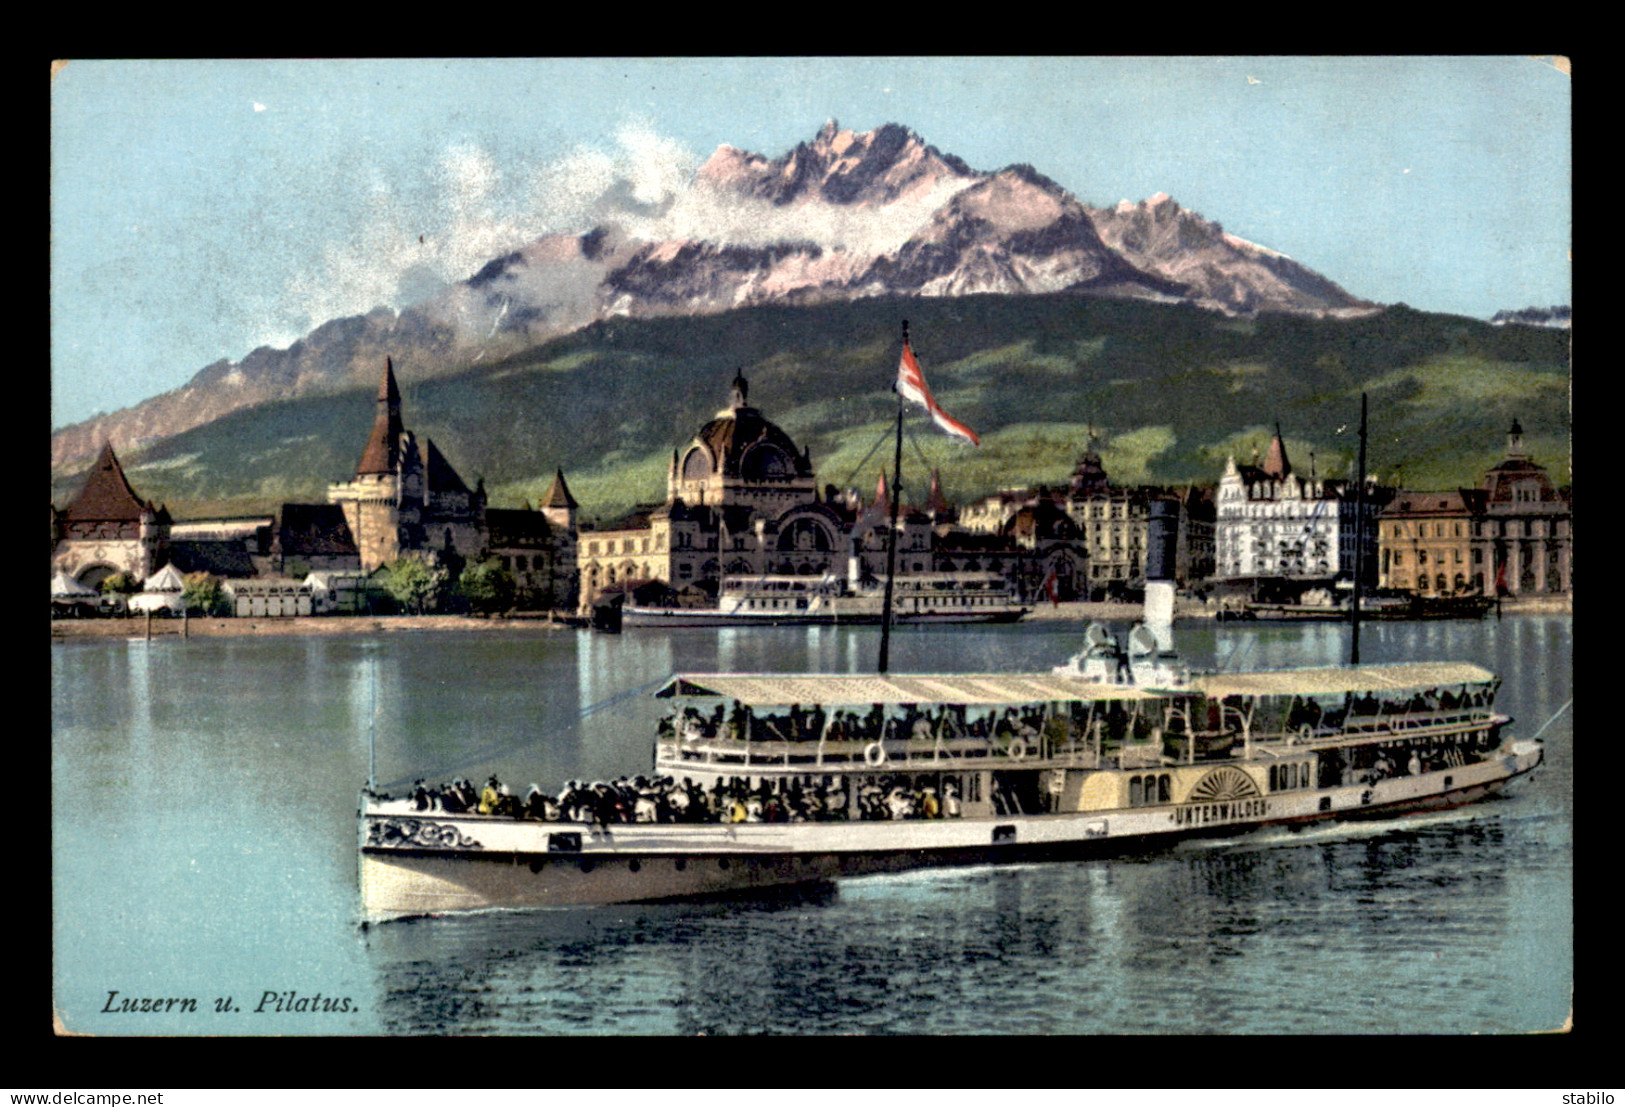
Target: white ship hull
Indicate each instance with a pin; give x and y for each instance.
(714, 617)
(827, 601)
(424, 863)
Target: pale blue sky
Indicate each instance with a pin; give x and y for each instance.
(203, 208)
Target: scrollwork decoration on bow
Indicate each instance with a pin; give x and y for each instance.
(404, 833)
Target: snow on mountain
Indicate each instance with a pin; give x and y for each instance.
(1559, 317)
(1220, 270)
(846, 216)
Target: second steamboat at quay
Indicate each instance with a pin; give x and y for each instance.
(920, 598)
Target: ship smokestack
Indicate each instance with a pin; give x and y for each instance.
(1162, 538)
(1151, 647)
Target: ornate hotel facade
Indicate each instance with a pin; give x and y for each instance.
(1511, 535)
(1272, 522)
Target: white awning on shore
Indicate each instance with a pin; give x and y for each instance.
(65, 587)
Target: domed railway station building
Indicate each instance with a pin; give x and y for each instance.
(742, 499)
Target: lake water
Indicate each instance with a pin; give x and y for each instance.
(204, 852)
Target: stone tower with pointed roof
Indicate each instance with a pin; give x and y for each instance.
(107, 528)
(406, 499)
(558, 505)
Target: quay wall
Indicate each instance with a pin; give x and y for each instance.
(135, 627)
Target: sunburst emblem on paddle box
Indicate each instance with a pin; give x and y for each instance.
(1226, 783)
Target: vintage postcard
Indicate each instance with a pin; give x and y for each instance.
(803, 546)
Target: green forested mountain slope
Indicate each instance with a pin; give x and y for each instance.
(1170, 389)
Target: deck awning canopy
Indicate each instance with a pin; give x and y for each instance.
(846, 690)
(1376, 679)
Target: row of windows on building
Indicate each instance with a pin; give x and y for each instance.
(1502, 528)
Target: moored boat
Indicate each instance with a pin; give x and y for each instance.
(926, 598)
(1379, 608)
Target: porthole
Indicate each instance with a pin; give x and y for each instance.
(588, 864)
(722, 863)
(680, 864)
(634, 866)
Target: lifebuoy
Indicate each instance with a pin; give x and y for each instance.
(874, 753)
(1306, 733)
(1019, 750)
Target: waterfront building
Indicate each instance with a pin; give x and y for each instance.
(1511, 535)
(538, 547)
(312, 538)
(1525, 538)
(268, 597)
(227, 548)
(107, 528)
(406, 498)
(1113, 524)
(1106, 552)
(1425, 542)
(742, 499)
(1194, 550)
(1037, 547)
(1272, 522)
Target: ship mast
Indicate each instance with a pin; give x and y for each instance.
(891, 533)
(372, 731)
(1359, 542)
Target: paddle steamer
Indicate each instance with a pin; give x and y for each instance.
(1122, 748)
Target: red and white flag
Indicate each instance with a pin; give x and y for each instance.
(911, 384)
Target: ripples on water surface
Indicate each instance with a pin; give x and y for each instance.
(222, 859)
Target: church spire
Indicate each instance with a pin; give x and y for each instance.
(382, 454)
(1275, 463)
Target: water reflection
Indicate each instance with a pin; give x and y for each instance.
(226, 772)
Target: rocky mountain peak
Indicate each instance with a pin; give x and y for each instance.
(847, 215)
(840, 166)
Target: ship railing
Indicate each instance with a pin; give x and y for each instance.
(1146, 755)
(1410, 720)
(878, 752)
(1408, 725)
(875, 753)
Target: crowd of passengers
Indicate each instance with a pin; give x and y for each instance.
(1409, 757)
(1306, 711)
(814, 724)
(663, 800)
